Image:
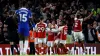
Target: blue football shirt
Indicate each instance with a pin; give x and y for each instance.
(24, 16)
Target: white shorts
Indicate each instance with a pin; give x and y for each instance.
(63, 41)
(36, 40)
(50, 43)
(78, 36)
(57, 41)
(42, 40)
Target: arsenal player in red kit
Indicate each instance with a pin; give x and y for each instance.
(77, 29)
(41, 34)
(63, 37)
(52, 29)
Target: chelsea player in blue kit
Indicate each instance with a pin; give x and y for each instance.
(24, 16)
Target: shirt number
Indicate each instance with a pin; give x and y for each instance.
(23, 17)
(41, 29)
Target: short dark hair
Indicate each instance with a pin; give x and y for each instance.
(41, 18)
(11, 12)
(78, 16)
(64, 23)
(24, 3)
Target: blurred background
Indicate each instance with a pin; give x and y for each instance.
(57, 10)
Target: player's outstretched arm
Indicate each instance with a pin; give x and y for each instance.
(88, 17)
(76, 14)
(35, 29)
(55, 30)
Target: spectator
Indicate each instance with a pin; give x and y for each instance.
(90, 34)
(98, 34)
(1, 33)
(5, 34)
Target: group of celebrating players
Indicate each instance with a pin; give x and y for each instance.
(49, 38)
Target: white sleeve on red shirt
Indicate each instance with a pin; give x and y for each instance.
(60, 28)
(33, 29)
(56, 27)
(36, 27)
(54, 30)
(47, 30)
(81, 19)
(45, 25)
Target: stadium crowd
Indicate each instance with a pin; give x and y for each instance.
(57, 10)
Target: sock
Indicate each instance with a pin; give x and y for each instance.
(42, 50)
(21, 46)
(75, 45)
(37, 50)
(25, 46)
(59, 50)
(63, 50)
(47, 50)
(12, 49)
(54, 50)
(15, 45)
(50, 50)
(83, 47)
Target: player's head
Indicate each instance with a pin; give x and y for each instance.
(41, 19)
(89, 26)
(64, 23)
(53, 22)
(24, 4)
(10, 12)
(78, 16)
(49, 25)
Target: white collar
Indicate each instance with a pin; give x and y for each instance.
(23, 8)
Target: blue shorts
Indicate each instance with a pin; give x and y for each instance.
(23, 31)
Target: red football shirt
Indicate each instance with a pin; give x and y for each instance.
(41, 30)
(77, 26)
(63, 32)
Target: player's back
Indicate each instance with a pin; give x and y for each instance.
(23, 17)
